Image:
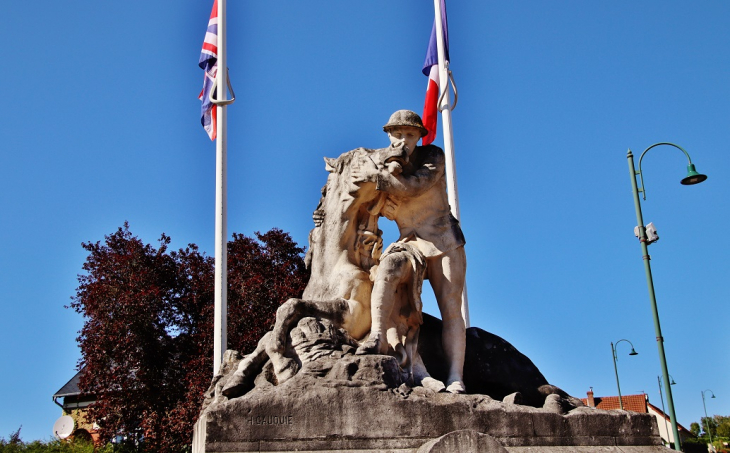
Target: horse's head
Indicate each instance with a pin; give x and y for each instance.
(394, 157)
(348, 235)
(340, 180)
(343, 193)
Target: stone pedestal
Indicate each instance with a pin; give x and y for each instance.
(342, 402)
(356, 408)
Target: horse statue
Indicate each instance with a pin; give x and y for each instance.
(345, 258)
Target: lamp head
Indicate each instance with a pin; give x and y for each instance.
(672, 383)
(692, 176)
(633, 352)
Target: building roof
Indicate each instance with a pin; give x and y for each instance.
(71, 388)
(634, 403)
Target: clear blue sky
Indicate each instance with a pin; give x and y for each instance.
(101, 125)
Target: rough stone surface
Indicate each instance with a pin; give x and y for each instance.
(340, 401)
(362, 406)
(513, 398)
(464, 441)
(369, 415)
(568, 449)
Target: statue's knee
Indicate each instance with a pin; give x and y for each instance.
(287, 309)
(391, 268)
(453, 320)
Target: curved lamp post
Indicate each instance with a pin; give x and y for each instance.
(707, 421)
(661, 396)
(692, 178)
(615, 368)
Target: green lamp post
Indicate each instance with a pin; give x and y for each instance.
(615, 368)
(707, 421)
(661, 396)
(692, 178)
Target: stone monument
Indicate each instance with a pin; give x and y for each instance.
(355, 364)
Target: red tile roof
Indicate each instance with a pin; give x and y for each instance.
(635, 403)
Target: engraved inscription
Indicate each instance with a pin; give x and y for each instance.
(271, 420)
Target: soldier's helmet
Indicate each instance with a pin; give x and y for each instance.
(405, 118)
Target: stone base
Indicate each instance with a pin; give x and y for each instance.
(342, 402)
(356, 416)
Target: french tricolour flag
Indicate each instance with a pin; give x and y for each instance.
(431, 69)
(209, 64)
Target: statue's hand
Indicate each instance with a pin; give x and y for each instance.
(318, 217)
(390, 208)
(395, 168)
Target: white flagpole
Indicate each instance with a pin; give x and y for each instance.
(220, 324)
(445, 108)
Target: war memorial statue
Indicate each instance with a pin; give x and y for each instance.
(355, 364)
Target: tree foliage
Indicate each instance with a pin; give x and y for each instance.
(147, 339)
(722, 424)
(719, 428)
(694, 428)
(14, 444)
(709, 424)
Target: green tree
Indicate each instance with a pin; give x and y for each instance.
(718, 426)
(708, 423)
(14, 444)
(694, 427)
(723, 426)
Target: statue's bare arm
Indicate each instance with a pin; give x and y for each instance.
(416, 183)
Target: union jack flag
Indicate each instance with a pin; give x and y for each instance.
(209, 64)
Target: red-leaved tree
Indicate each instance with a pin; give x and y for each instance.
(147, 339)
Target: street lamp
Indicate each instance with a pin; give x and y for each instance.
(707, 420)
(661, 396)
(692, 178)
(615, 369)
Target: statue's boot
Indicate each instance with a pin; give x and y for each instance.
(372, 345)
(456, 387)
(433, 384)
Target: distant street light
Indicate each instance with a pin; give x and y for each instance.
(692, 178)
(707, 420)
(661, 396)
(615, 368)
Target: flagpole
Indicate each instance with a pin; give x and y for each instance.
(445, 108)
(220, 324)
